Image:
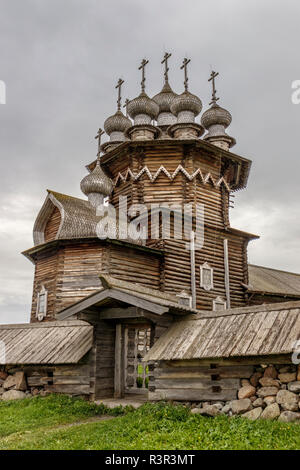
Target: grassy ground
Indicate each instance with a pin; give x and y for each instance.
(44, 423)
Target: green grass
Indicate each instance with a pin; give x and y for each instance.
(32, 424)
(38, 412)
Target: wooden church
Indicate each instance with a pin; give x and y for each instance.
(103, 306)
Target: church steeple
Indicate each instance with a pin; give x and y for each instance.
(165, 98)
(216, 120)
(116, 125)
(97, 185)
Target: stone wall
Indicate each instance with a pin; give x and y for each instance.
(25, 381)
(272, 392)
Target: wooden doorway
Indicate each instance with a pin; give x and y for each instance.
(133, 341)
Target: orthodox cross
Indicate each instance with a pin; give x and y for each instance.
(142, 68)
(98, 137)
(184, 67)
(165, 61)
(125, 106)
(213, 75)
(119, 85)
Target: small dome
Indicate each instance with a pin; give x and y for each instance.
(186, 102)
(165, 98)
(143, 105)
(96, 182)
(117, 123)
(216, 115)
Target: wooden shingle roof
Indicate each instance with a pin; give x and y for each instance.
(273, 281)
(249, 331)
(45, 343)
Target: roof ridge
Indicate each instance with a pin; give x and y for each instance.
(274, 269)
(65, 195)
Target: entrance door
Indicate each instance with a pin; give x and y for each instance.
(137, 342)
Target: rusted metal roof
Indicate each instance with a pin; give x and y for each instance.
(273, 281)
(259, 330)
(45, 343)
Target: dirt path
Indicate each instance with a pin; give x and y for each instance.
(94, 419)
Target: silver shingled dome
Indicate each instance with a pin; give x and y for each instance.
(96, 182)
(143, 105)
(117, 123)
(165, 98)
(216, 115)
(186, 102)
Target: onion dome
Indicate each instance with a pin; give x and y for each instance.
(216, 120)
(116, 125)
(186, 107)
(142, 109)
(164, 100)
(216, 116)
(96, 185)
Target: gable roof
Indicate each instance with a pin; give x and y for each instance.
(273, 281)
(248, 331)
(129, 293)
(45, 343)
(78, 218)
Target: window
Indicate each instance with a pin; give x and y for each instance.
(206, 276)
(41, 310)
(219, 304)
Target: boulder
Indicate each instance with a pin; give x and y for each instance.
(271, 372)
(287, 377)
(3, 375)
(208, 410)
(13, 395)
(258, 402)
(294, 387)
(246, 391)
(284, 369)
(245, 382)
(240, 406)
(288, 400)
(253, 414)
(271, 411)
(16, 382)
(288, 416)
(255, 378)
(298, 372)
(267, 391)
(270, 400)
(253, 398)
(226, 409)
(268, 382)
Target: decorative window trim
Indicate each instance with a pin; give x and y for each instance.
(219, 301)
(42, 294)
(207, 267)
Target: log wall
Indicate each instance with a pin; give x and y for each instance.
(186, 381)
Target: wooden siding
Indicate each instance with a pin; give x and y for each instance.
(46, 272)
(52, 225)
(179, 380)
(135, 266)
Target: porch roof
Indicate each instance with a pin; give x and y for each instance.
(129, 293)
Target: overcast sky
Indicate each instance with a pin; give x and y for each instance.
(60, 61)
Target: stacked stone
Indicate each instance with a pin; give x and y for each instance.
(272, 392)
(14, 386)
